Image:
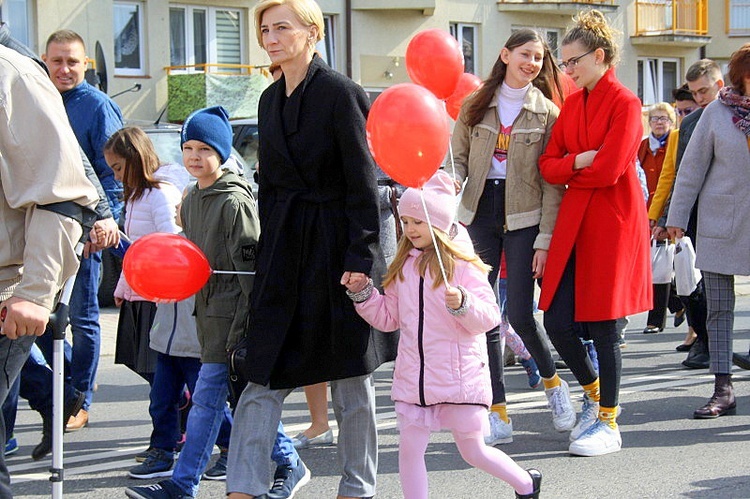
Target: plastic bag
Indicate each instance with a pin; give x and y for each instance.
(662, 260)
(686, 276)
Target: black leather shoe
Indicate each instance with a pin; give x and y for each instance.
(698, 357)
(679, 317)
(536, 478)
(742, 361)
(651, 330)
(71, 409)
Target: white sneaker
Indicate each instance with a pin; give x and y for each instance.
(500, 431)
(598, 440)
(563, 414)
(589, 415)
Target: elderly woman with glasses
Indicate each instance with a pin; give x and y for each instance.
(651, 155)
(599, 264)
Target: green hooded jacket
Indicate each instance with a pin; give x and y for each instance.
(223, 221)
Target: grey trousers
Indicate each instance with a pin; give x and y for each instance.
(720, 299)
(256, 419)
(13, 354)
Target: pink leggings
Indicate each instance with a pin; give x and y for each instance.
(413, 471)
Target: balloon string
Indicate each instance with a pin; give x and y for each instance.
(453, 164)
(434, 241)
(236, 272)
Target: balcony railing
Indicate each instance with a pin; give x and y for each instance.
(738, 17)
(671, 17)
(587, 2)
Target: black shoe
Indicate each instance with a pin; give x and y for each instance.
(652, 330)
(683, 347)
(742, 361)
(536, 478)
(698, 357)
(71, 409)
(679, 317)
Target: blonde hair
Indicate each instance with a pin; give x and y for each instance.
(663, 106)
(594, 32)
(449, 253)
(307, 11)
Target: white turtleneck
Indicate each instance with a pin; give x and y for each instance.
(509, 104)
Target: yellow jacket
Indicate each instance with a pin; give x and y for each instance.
(666, 178)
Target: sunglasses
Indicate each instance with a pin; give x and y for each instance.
(573, 61)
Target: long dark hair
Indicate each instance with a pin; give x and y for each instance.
(548, 80)
(133, 145)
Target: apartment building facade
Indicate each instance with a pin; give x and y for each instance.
(141, 41)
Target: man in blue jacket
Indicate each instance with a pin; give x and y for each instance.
(93, 117)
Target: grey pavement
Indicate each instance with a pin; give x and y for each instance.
(666, 453)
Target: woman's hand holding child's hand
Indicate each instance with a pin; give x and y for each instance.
(354, 281)
(453, 297)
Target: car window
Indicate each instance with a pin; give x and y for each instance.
(167, 146)
(246, 142)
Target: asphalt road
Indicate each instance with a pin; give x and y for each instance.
(665, 452)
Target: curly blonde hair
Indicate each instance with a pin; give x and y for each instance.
(592, 30)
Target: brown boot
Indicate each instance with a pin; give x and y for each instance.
(722, 402)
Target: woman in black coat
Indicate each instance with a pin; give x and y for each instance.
(318, 205)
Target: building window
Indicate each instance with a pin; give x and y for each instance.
(656, 79)
(738, 17)
(466, 34)
(551, 35)
(16, 14)
(205, 35)
(327, 46)
(129, 45)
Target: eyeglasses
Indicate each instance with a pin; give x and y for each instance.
(573, 61)
(659, 119)
(686, 111)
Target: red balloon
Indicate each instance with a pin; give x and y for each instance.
(467, 84)
(408, 133)
(166, 267)
(435, 61)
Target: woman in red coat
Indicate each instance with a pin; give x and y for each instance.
(599, 266)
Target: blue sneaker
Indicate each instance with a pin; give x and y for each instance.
(287, 480)
(11, 446)
(219, 470)
(532, 371)
(166, 489)
(156, 465)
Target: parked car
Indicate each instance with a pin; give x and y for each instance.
(166, 140)
(245, 140)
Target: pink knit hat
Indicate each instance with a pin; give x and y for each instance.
(439, 197)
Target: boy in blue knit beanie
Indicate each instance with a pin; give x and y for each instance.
(220, 216)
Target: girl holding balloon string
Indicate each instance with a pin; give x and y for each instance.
(507, 206)
(436, 292)
(150, 206)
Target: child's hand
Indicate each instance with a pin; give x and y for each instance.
(354, 281)
(453, 298)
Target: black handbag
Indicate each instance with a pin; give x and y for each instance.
(236, 357)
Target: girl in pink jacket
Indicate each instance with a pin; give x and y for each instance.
(441, 379)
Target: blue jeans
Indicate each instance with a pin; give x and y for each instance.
(171, 376)
(82, 360)
(204, 422)
(84, 322)
(36, 377)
